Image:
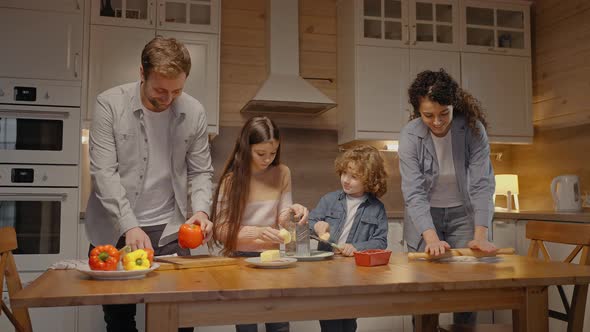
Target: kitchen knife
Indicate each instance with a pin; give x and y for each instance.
(332, 244)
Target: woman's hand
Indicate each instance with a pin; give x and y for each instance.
(483, 245)
(437, 248)
(346, 250)
(434, 246)
(269, 234)
(301, 213)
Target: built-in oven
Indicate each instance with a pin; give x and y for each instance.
(39, 122)
(41, 203)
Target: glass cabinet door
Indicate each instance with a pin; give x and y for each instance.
(383, 22)
(434, 24)
(137, 13)
(188, 15)
(503, 30)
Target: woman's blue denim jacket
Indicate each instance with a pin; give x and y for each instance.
(369, 229)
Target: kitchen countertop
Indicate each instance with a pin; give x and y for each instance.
(546, 215)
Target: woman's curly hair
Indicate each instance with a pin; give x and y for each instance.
(366, 163)
(440, 87)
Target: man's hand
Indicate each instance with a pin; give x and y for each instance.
(202, 219)
(136, 238)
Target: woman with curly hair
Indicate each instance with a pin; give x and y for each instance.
(353, 217)
(447, 176)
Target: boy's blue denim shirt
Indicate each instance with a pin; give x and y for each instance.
(369, 229)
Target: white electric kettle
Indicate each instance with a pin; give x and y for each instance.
(566, 193)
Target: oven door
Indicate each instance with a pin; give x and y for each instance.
(39, 134)
(46, 221)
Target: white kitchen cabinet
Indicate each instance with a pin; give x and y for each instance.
(175, 15)
(503, 85)
(430, 24)
(373, 76)
(51, 319)
(372, 88)
(203, 81)
(115, 58)
(496, 27)
(41, 45)
(69, 6)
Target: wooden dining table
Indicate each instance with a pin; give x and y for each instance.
(329, 289)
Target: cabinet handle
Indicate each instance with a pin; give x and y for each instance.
(407, 42)
(150, 9)
(36, 196)
(161, 13)
(499, 222)
(415, 34)
(77, 4)
(76, 57)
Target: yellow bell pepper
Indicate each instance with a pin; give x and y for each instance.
(136, 260)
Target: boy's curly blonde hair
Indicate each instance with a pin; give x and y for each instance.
(366, 163)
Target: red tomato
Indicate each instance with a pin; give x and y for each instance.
(190, 236)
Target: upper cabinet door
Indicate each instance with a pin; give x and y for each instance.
(381, 106)
(496, 28)
(503, 85)
(115, 54)
(434, 24)
(382, 22)
(131, 13)
(31, 35)
(188, 15)
(203, 80)
(68, 6)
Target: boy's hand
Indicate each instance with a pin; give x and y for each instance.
(346, 250)
(321, 228)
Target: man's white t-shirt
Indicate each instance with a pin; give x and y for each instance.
(155, 204)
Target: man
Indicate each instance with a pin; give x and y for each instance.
(148, 144)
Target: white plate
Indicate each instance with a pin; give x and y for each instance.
(315, 255)
(276, 264)
(118, 274)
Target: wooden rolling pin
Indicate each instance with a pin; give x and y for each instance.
(461, 252)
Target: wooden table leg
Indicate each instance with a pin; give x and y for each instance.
(426, 323)
(161, 317)
(534, 315)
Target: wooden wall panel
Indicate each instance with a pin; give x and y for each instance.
(561, 71)
(244, 58)
(561, 81)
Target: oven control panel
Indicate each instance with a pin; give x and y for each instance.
(38, 175)
(39, 92)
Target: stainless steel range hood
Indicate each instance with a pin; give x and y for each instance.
(284, 91)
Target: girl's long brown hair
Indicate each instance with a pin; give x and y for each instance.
(440, 87)
(234, 184)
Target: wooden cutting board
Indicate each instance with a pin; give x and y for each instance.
(188, 262)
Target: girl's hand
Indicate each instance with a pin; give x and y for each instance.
(483, 245)
(346, 250)
(301, 213)
(437, 248)
(269, 234)
(321, 227)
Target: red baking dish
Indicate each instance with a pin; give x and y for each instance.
(372, 257)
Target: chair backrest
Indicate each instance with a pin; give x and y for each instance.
(564, 233)
(19, 317)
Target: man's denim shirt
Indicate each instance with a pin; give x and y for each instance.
(369, 229)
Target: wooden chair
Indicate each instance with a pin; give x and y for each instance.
(19, 317)
(540, 232)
